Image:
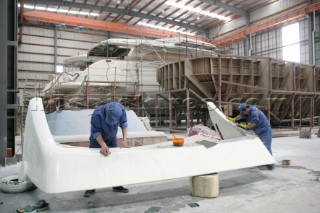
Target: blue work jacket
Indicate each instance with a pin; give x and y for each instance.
(105, 121)
(258, 117)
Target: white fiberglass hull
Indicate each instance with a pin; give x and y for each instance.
(55, 168)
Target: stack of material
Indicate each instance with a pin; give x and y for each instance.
(203, 131)
(305, 133)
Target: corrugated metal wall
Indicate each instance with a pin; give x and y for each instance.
(36, 53)
(317, 39)
(269, 43)
(305, 33)
(260, 15)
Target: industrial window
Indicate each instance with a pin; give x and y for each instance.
(59, 69)
(290, 42)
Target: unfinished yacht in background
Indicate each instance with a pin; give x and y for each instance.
(117, 68)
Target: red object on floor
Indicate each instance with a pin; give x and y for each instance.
(9, 152)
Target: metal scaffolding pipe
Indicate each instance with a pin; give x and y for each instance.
(55, 49)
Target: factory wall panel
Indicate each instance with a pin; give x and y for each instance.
(46, 64)
(32, 84)
(45, 32)
(60, 59)
(43, 50)
(81, 36)
(34, 48)
(70, 52)
(269, 43)
(36, 66)
(317, 40)
(232, 25)
(74, 44)
(35, 58)
(304, 34)
(31, 39)
(33, 75)
(234, 49)
(276, 7)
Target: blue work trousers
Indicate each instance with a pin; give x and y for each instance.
(266, 138)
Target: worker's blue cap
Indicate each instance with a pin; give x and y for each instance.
(242, 106)
(114, 111)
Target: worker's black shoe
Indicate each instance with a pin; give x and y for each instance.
(88, 193)
(270, 167)
(120, 189)
(267, 167)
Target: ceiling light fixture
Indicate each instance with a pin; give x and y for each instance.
(62, 11)
(73, 12)
(93, 14)
(196, 10)
(164, 28)
(26, 6)
(52, 9)
(40, 8)
(83, 13)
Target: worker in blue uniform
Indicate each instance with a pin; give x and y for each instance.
(259, 123)
(105, 121)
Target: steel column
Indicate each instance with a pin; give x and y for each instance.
(311, 35)
(170, 111)
(294, 94)
(270, 90)
(188, 108)
(21, 20)
(247, 40)
(3, 80)
(8, 71)
(12, 24)
(156, 110)
(55, 49)
(220, 84)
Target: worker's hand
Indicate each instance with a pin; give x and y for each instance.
(124, 144)
(104, 150)
(231, 119)
(243, 126)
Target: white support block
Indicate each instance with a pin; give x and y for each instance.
(205, 185)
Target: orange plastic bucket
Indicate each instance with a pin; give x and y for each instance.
(177, 141)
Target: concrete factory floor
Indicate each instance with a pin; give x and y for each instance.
(294, 188)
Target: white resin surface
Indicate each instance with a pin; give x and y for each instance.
(69, 123)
